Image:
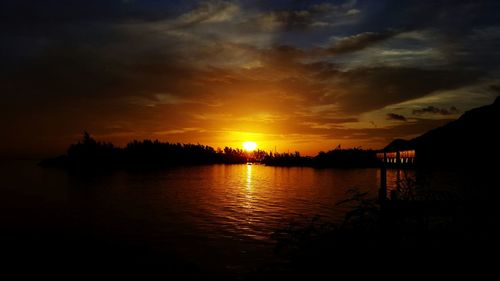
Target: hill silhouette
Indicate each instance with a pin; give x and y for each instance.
(336, 158)
(470, 140)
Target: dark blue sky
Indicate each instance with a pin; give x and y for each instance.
(302, 75)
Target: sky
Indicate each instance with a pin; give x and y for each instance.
(290, 75)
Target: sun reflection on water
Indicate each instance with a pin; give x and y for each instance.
(248, 196)
(249, 177)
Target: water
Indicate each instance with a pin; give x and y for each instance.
(218, 217)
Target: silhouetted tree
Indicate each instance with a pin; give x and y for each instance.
(90, 153)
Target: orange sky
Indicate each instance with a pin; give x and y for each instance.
(296, 75)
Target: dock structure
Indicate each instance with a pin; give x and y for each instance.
(397, 158)
(435, 203)
(403, 158)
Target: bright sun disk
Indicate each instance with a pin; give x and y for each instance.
(249, 145)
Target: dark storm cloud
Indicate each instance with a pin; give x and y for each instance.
(396, 117)
(435, 110)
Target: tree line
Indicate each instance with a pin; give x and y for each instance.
(90, 153)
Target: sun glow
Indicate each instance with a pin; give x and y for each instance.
(249, 145)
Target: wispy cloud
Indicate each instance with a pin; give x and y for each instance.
(435, 110)
(396, 117)
(359, 41)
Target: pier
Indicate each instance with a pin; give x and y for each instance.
(398, 158)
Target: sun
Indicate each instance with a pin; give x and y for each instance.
(249, 145)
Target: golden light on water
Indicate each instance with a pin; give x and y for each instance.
(249, 145)
(249, 177)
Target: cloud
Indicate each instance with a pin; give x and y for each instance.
(359, 41)
(127, 70)
(384, 135)
(293, 19)
(435, 110)
(396, 117)
(208, 12)
(366, 89)
(495, 88)
(305, 18)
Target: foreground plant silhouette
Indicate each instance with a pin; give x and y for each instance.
(368, 234)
